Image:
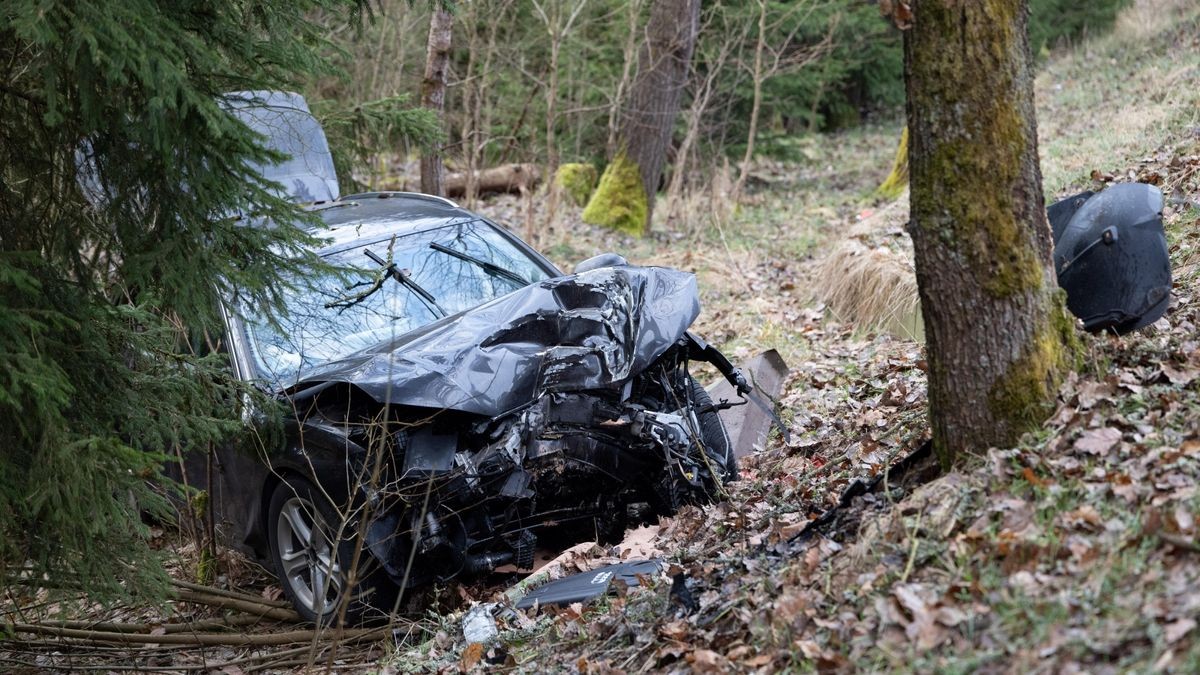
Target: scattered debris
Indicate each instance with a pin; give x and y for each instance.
(479, 624)
(587, 586)
(1110, 254)
(748, 426)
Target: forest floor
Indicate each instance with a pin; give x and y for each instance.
(1078, 550)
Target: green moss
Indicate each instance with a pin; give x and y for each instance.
(206, 568)
(983, 224)
(972, 174)
(577, 181)
(897, 180)
(619, 201)
(1024, 396)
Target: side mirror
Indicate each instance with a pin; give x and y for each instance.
(602, 260)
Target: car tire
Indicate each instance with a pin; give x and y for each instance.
(712, 432)
(301, 524)
(673, 491)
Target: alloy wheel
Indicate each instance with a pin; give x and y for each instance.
(308, 556)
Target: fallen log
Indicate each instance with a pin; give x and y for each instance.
(507, 178)
(497, 179)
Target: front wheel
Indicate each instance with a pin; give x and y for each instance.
(712, 432)
(312, 552)
(711, 464)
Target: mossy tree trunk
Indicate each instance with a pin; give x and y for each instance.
(433, 94)
(998, 336)
(649, 116)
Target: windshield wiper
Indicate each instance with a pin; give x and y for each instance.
(407, 281)
(387, 268)
(491, 268)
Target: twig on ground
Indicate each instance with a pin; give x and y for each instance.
(228, 639)
(210, 590)
(255, 608)
(146, 628)
(1179, 541)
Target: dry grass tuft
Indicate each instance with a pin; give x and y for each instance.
(871, 288)
(868, 279)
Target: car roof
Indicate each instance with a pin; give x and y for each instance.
(371, 216)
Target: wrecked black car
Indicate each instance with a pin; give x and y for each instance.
(452, 396)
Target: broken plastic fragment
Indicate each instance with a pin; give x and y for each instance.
(587, 586)
(479, 625)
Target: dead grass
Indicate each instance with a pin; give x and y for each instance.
(1110, 99)
(867, 279)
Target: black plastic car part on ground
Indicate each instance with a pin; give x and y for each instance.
(586, 586)
(1110, 254)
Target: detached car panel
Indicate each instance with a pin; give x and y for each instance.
(1111, 256)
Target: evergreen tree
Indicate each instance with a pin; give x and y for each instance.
(96, 386)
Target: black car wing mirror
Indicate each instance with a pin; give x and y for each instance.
(602, 260)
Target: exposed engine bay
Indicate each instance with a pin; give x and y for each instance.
(464, 494)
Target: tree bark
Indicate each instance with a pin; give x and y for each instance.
(998, 336)
(649, 117)
(433, 94)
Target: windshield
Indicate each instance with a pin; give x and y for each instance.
(383, 290)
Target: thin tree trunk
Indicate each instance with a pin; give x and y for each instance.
(695, 114)
(551, 122)
(471, 28)
(756, 106)
(701, 96)
(654, 100)
(433, 94)
(482, 112)
(632, 10)
(558, 26)
(998, 336)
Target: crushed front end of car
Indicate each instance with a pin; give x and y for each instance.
(565, 405)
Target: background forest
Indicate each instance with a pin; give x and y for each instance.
(106, 314)
(545, 82)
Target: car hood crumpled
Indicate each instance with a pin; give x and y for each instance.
(583, 331)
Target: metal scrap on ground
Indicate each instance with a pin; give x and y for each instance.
(748, 425)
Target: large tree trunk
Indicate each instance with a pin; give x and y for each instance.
(433, 95)
(998, 336)
(648, 119)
